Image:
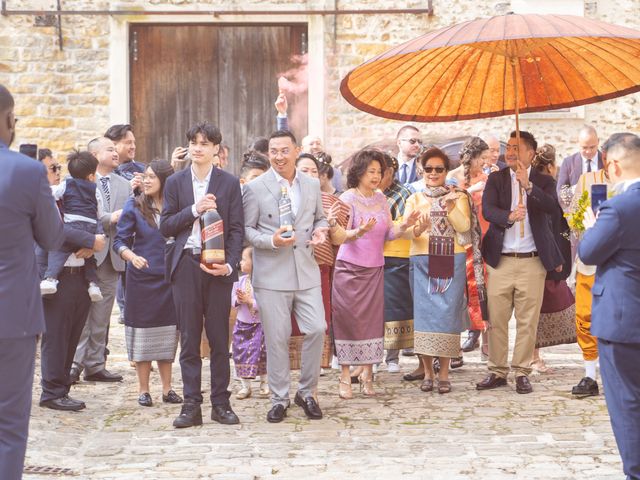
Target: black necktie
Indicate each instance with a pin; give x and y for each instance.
(588, 165)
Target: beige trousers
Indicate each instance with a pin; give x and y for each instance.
(517, 283)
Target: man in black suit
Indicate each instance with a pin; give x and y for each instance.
(200, 292)
(519, 248)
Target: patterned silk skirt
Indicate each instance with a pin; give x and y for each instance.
(249, 352)
(557, 324)
(151, 343)
(398, 304)
(358, 307)
(439, 317)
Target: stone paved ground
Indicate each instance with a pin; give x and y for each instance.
(403, 433)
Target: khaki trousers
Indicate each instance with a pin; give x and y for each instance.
(517, 283)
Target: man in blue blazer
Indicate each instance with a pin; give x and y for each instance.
(613, 244)
(587, 159)
(409, 143)
(28, 214)
(197, 293)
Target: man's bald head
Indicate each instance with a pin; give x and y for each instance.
(7, 119)
(588, 142)
(105, 151)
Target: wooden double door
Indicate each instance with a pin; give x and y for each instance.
(226, 74)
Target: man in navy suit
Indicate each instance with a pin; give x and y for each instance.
(198, 292)
(587, 159)
(409, 147)
(613, 244)
(28, 214)
(519, 249)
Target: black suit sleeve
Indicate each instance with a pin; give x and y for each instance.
(490, 202)
(234, 226)
(46, 223)
(172, 220)
(543, 197)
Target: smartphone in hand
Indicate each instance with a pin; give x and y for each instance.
(598, 195)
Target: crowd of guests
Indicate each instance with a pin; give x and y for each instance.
(404, 254)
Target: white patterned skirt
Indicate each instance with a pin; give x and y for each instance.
(152, 343)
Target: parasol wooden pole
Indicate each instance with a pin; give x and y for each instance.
(517, 111)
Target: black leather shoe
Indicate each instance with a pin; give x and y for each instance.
(224, 414)
(277, 413)
(491, 381)
(103, 375)
(523, 385)
(144, 400)
(456, 362)
(587, 387)
(65, 403)
(471, 343)
(410, 377)
(190, 416)
(171, 397)
(74, 375)
(310, 406)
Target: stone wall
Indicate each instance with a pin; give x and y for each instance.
(63, 97)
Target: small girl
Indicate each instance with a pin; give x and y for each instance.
(249, 352)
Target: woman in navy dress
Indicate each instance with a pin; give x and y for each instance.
(150, 316)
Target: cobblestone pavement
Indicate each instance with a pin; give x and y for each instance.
(402, 433)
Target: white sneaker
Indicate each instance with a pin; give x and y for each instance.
(244, 392)
(393, 367)
(264, 388)
(94, 292)
(48, 286)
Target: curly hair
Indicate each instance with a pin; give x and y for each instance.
(360, 163)
(544, 158)
(472, 149)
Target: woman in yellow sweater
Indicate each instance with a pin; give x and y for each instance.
(448, 224)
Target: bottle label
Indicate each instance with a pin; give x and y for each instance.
(285, 209)
(212, 231)
(212, 256)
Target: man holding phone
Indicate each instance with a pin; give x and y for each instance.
(596, 184)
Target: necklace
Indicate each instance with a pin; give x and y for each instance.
(363, 195)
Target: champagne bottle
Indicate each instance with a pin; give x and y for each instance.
(286, 217)
(212, 237)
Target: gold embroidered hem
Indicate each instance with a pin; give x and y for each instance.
(437, 344)
(398, 334)
(295, 352)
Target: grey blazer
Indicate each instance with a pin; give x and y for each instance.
(285, 268)
(120, 191)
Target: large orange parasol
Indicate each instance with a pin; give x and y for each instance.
(479, 68)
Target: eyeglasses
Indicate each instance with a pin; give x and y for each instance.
(55, 168)
(429, 169)
(412, 141)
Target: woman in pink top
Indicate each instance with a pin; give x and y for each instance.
(358, 281)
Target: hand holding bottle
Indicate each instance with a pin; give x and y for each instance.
(208, 202)
(280, 241)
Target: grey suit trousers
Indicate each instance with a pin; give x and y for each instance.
(276, 307)
(90, 351)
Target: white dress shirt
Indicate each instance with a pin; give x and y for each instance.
(513, 242)
(293, 190)
(594, 163)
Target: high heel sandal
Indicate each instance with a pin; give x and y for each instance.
(344, 389)
(366, 386)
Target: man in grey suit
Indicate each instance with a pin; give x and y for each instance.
(28, 214)
(587, 159)
(286, 277)
(113, 191)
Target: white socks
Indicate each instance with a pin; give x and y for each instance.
(590, 369)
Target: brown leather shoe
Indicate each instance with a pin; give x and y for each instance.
(523, 385)
(491, 381)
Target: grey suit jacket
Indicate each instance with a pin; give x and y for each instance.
(120, 191)
(571, 169)
(283, 268)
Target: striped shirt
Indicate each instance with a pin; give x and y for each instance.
(325, 253)
(397, 195)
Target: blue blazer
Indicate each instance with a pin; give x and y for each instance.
(542, 205)
(28, 215)
(177, 219)
(613, 244)
(413, 175)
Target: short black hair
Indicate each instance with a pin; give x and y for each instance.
(360, 163)
(81, 164)
(207, 130)
(118, 132)
(44, 153)
(304, 155)
(528, 138)
(434, 152)
(282, 134)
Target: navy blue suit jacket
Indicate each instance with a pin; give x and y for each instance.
(28, 214)
(177, 219)
(542, 205)
(413, 175)
(613, 244)
(571, 169)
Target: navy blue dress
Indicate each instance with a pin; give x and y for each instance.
(148, 297)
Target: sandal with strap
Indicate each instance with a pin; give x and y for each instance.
(444, 386)
(366, 386)
(427, 385)
(344, 389)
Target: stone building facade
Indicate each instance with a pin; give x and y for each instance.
(66, 97)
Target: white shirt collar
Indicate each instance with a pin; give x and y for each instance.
(628, 183)
(194, 178)
(280, 178)
(513, 173)
(98, 176)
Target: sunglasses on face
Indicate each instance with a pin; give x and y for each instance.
(55, 168)
(429, 169)
(412, 141)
